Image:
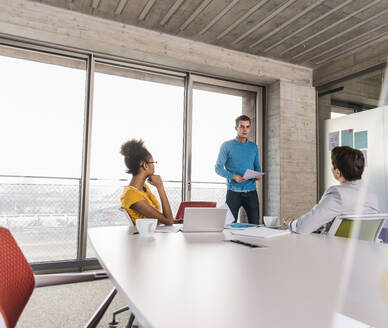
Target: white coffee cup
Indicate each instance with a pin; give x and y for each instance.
(146, 227)
(271, 221)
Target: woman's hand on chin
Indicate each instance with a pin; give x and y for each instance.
(155, 180)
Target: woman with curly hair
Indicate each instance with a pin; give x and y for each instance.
(137, 198)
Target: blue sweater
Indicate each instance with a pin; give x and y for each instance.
(236, 157)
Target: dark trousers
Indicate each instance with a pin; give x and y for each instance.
(248, 200)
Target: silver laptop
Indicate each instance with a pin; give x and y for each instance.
(204, 219)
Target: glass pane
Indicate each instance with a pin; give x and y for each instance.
(214, 112)
(41, 133)
(132, 104)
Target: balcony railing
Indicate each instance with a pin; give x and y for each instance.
(43, 212)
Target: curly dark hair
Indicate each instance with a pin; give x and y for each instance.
(349, 161)
(134, 154)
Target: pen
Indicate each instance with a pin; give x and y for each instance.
(244, 243)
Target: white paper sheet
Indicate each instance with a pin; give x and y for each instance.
(260, 232)
(250, 174)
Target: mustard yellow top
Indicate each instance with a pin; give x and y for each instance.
(131, 195)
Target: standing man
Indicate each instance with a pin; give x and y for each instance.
(235, 157)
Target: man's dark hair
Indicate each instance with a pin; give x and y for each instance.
(242, 118)
(349, 161)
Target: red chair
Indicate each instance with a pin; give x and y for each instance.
(17, 282)
(16, 279)
(181, 210)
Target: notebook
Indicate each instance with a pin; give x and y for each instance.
(204, 219)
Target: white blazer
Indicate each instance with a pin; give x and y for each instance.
(350, 197)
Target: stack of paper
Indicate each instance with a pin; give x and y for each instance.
(261, 232)
(250, 174)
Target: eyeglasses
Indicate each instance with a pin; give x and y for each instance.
(155, 162)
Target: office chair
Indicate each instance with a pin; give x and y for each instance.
(360, 226)
(16, 279)
(181, 210)
(124, 213)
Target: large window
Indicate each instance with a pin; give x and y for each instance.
(41, 132)
(64, 118)
(214, 112)
(131, 104)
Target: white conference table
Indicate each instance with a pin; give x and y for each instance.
(198, 280)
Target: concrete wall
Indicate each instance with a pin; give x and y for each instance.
(290, 119)
(272, 151)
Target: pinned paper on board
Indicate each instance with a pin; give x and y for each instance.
(365, 152)
(333, 139)
(347, 137)
(361, 139)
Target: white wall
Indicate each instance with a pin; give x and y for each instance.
(375, 121)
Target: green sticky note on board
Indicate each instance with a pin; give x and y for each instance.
(361, 140)
(347, 137)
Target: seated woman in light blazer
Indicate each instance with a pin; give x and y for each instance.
(351, 196)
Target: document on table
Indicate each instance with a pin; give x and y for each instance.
(169, 228)
(260, 232)
(250, 174)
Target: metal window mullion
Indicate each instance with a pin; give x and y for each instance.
(84, 183)
(187, 137)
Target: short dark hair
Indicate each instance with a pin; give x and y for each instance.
(135, 153)
(349, 161)
(242, 118)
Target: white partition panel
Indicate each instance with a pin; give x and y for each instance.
(375, 121)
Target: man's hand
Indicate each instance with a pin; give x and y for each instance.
(286, 222)
(259, 178)
(238, 178)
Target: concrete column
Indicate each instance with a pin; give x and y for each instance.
(324, 113)
(272, 151)
(290, 160)
(324, 107)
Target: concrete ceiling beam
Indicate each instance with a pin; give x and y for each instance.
(146, 9)
(221, 14)
(120, 7)
(264, 21)
(331, 26)
(171, 11)
(95, 4)
(308, 25)
(354, 49)
(196, 12)
(242, 18)
(286, 23)
(340, 34)
(321, 54)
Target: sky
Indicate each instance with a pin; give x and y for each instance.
(42, 118)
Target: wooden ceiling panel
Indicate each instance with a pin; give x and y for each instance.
(238, 33)
(188, 10)
(307, 32)
(205, 22)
